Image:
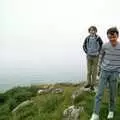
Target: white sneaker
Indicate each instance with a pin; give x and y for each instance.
(110, 115)
(94, 117)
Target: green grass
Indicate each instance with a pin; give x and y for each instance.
(49, 106)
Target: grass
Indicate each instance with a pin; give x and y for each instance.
(50, 106)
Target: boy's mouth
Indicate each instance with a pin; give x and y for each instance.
(114, 43)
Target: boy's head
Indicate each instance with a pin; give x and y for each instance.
(92, 30)
(113, 34)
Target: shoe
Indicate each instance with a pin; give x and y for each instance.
(110, 115)
(92, 88)
(94, 117)
(87, 86)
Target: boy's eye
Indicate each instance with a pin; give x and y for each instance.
(111, 37)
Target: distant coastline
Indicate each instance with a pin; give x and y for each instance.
(5, 87)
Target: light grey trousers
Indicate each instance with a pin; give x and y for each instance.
(111, 79)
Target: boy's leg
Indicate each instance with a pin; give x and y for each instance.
(98, 98)
(118, 88)
(118, 85)
(113, 91)
(89, 71)
(94, 70)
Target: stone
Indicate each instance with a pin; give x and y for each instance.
(43, 91)
(25, 103)
(57, 90)
(72, 113)
(76, 94)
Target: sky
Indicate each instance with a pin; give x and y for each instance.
(45, 36)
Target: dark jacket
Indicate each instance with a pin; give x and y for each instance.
(86, 42)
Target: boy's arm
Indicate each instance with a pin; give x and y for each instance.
(100, 43)
(85, 45)
(102, 53)
(101, 56)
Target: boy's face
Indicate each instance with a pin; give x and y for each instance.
(113, 38)
(92, 31)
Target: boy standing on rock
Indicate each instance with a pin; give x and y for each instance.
(92, 46)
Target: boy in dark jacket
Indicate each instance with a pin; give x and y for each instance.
(92, 46)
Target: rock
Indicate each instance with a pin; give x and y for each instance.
(46, 86)
(46, 89)
(50, 89)
(25, 103)
(72, 113)
(57, 90)
(43, 91)
(76, 93)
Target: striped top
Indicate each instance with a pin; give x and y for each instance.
(110, 57)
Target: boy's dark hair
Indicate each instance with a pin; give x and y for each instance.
(93, 27)
(113, 30)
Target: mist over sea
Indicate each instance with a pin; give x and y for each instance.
(65, 68)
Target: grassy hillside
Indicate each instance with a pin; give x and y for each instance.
(49, 106)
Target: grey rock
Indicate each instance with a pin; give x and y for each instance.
(51, 89)
(25, 103)
(76, 93)
(72, 113)
(58, 90)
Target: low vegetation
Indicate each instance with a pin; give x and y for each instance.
(49, 106)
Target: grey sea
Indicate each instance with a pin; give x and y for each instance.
(25, 77)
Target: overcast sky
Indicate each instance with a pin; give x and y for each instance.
(48, 34)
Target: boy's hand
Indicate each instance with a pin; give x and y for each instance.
(119, 75)
(99, 70)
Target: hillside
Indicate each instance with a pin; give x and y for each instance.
(49, 106)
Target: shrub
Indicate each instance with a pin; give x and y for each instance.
(3, 98)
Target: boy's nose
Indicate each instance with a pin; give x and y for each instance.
(112, 39)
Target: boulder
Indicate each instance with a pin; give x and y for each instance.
(58, 90)
(25, 103)
(72, 113)
(43, 91)
(51, 89)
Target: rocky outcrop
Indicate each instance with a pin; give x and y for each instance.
(72, 113)
(25, 103)
(50, 89)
